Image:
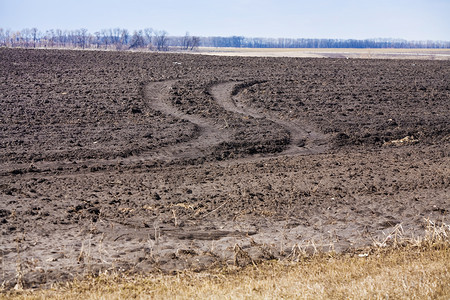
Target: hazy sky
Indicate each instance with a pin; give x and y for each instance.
(358, 19)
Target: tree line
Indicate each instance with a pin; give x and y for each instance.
(245, 42)
(159, 40)
(116, 38)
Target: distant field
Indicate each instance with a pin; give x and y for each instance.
(439, 54)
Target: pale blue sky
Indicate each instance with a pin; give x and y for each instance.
(358, 19)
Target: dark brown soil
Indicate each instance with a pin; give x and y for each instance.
(147, 162)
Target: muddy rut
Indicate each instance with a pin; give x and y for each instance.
(207, 135)
(303, 139)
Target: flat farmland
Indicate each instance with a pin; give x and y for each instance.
(364, 53)
(160, 162)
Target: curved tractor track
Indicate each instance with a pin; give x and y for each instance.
(303, 139)
(208, 135)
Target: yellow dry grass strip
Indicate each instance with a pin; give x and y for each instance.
(411, 272)
(396, 53)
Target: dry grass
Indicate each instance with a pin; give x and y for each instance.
(395, 268)
(384, 53)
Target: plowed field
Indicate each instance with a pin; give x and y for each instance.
(147, 162)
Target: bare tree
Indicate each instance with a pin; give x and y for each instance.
(105, 38)
(5, 37)
(148, 32)
(115, 37)
(189, 42)
(124, 37)
(161, 40)
(137, 40)
(25, 39)
(50, 38)
(97, 39)
(195, 42)
(35, 35)
(2, 38)
(15, 39)
(185, 43)
(83, 37)
(60, 38)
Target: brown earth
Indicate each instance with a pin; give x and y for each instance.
(147, 162)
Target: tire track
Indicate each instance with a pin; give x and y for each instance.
(157, 97)
(304, 139)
